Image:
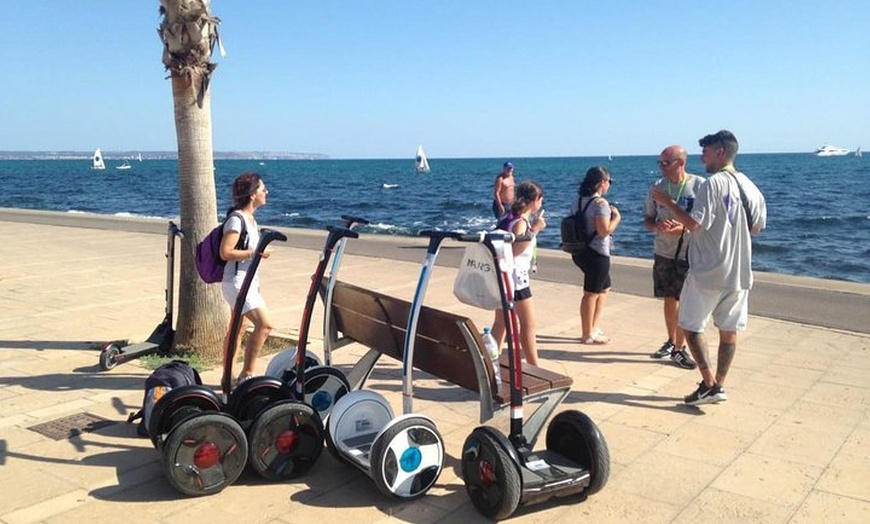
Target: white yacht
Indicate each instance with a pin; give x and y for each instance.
(832, 151)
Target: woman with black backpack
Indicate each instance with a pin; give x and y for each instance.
(601, 219)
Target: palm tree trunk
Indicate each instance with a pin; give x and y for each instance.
(202, 311)
(189, 32)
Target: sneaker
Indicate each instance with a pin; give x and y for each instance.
(717, 393)
(681, 358)
(664, 351)
(703, 395)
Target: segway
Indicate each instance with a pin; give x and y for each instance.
(285, 436)
(203, 439)
(160, 340)
(501, 472)
(403, 455)
(321, 385)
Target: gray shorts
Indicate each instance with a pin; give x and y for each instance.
(668, 277)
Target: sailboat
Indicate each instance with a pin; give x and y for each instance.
(422, 165)
(140, 157)
(98, 162)
(858, 152)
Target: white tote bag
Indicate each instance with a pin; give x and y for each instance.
(476, 282)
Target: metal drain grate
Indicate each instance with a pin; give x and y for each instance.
(71, 426)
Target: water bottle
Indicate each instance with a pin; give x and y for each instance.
(492, 350)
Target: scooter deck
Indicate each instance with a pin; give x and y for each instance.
(359, 447)
(549, 474)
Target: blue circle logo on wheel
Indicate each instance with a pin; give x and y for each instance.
(411, 459)
(321, 400)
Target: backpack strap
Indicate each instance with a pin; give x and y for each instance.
(243, 234)
(582, 216)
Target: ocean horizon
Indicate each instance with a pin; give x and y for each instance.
(818, 208)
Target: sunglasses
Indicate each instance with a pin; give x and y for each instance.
(666, 163)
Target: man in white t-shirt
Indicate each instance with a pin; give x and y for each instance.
(727, 208)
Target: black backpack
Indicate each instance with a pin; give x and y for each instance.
(573, 231)
(169, 376)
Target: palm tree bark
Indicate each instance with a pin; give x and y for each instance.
(188, 32)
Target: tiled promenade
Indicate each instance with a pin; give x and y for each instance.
(792, 445)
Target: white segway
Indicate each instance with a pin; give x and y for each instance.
(403, 455)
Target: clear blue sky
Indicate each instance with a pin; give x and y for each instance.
(372, 79)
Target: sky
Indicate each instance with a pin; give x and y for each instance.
(467, 79)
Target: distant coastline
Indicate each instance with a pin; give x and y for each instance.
(157, 155)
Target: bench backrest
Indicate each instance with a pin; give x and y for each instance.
(447, 344)
(379, 321)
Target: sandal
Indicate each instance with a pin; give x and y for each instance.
(597, 340)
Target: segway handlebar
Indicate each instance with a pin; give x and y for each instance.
(341, 232)
(349, 221)
(493, 236)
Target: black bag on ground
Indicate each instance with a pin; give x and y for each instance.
(573, 230)
(169, 376)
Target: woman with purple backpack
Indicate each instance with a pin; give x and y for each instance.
(240, 238)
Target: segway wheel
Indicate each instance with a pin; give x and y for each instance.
(574, 435)
(407, 457)
(108, 354)
(491, 477)
(256, 394)
(286, 439)
(323, 387)
(205, 454)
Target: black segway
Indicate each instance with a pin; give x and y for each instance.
(160, 340)
(205, 441)
(501, 472)
(285, 436)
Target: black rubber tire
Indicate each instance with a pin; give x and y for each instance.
(107, 356)
(178, 405)
(491, 477)
(407, 458)
(285, 440)
(574, 435)
(254, 395)
(208, 429)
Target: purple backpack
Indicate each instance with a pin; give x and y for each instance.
(209, 263)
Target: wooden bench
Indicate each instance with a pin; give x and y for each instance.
(448, 346)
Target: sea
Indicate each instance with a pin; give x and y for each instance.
(818, 207)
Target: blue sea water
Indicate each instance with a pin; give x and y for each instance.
(818, 208)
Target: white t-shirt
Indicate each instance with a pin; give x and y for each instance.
(720, 254)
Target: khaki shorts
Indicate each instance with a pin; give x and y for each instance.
(729, 309)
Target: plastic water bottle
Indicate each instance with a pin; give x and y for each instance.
(492, 350)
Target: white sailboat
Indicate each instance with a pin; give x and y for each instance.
(858, 152)
(98, 162)
(140, 157)
(422, 164)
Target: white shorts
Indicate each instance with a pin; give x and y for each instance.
(729, 309)
(253, 301)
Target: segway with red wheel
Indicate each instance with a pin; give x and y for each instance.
(285, 436)
(503, 471)
(321, 385)
(160, 340)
